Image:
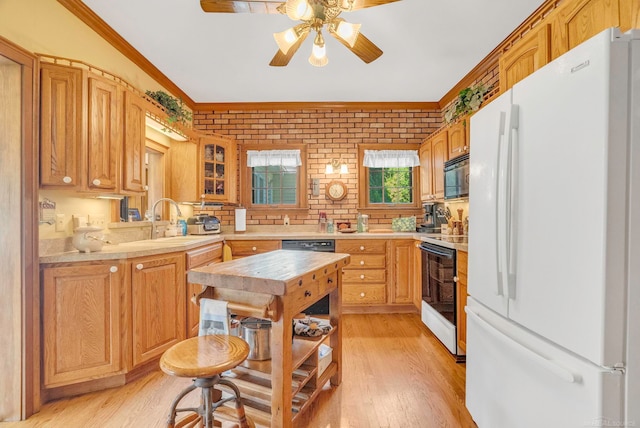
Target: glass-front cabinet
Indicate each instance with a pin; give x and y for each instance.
(218, 171)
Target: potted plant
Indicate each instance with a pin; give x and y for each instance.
(173, 107)
(469, 100)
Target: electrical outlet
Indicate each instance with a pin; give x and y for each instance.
(96, 220)
(60, 221)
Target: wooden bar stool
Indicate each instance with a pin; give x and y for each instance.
(205, 358)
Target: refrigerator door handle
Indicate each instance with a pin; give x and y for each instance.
(512, 214)
(499, 180)
(533, 356)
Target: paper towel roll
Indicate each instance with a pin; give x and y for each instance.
(241, 219)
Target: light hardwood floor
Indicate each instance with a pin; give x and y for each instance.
(396, 374)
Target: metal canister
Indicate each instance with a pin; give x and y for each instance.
(257, 333)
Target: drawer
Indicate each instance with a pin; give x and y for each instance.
(361, 246)
(362, 275)
(204, 255)
(363, 294)
(304, 296)
(249, 248)
(368, 261)
(462, 261)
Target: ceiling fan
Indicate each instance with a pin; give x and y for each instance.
(315, 15)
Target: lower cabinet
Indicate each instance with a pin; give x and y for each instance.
(81, 322)
(403, 288)
(462, 300)
(158, 305)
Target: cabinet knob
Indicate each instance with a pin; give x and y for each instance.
(361, 247)
(329, 280)
(254, 248)
(66, 179)
(307, 293)
(362, 294)
(145, 188)
(96, 182)
(361, 262)
(455, 279)
(362, 276)
(113, 269)
(139, 266)
(466, 148)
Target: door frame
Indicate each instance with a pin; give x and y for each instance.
(29, 310)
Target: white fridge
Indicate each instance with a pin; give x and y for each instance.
(553, 315)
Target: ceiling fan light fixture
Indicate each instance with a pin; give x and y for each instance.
(286, 39)
(348, 32)
(299, 10)
(318, 56)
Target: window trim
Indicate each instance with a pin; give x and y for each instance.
(363, 180)
(246, 185)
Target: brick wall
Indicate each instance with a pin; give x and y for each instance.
(328, 134)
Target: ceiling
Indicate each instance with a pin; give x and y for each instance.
(428, 45)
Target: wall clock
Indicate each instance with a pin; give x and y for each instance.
(336, 190)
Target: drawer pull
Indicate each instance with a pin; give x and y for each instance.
(455, 279)
(362, 276)
(329, 280)
(96, 182)
(307, 293)
(362, 294)
(254, 248)
(139, 266)
(361, 247)
(361, 262)
(66, 179)
(113, 269)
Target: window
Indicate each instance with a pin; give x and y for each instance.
(388, 176)
(275, 176)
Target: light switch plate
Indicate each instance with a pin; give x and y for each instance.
(60, 220)
(315, 186)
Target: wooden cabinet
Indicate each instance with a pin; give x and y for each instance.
(576, 21)
(403, 283)
(440, 152)
(158, 305)
(92, 132)
(458, 136)
(525, 57)
(462, 257)
(81, 322)
(195, 258)
(426, 172)
(61, 131)
(243, 248)
(364, 280)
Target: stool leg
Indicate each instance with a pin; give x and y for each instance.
(242, 418)
(171, 421)
(208, 411)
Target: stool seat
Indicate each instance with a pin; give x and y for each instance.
(204, 356)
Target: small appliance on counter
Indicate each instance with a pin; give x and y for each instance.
(203, 224)
(434, 217)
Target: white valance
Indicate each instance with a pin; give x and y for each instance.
(288, 158)
(391, 158)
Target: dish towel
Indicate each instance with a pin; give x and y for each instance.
(214, 317)
(311, 327)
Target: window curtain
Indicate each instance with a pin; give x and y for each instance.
(390, 158)
(288, 158)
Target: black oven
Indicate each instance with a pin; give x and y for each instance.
(439, 293)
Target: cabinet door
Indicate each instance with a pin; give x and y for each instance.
(462, 300)
(60, 125)
(403, 284)
(184, 173)
(457, 135)
(133, 149)
(440, 156)
(525, 57)
(81, 322)
(158, 305)
(576, 21)
(426, 172)
(105, 136)
(218, 169)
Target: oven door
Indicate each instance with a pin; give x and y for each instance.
(439, 293)
(456, 178)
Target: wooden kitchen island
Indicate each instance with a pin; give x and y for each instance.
(279, 285)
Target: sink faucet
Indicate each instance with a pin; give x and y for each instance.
(154, 232)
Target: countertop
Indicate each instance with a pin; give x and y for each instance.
(150, 247)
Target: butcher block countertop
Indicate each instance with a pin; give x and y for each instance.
(272, 273)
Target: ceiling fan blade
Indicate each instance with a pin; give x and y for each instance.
(362, 4)
(364, 48)
(280, 59)
(237, 6)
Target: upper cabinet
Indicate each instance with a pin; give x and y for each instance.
(434, 152)
(204, 171)
(458, 136)
(92, 134)
(426, 172)
(525, 57)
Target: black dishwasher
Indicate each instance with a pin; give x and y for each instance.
(321, 307)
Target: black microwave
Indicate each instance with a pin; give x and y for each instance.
(456, 177)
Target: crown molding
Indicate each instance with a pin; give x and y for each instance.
(338, 105)
(93, 21)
